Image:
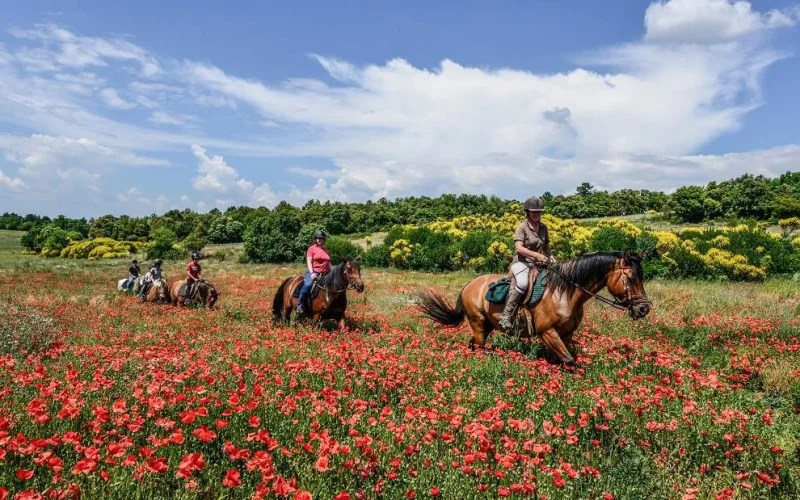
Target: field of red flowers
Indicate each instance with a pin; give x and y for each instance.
(101, 396)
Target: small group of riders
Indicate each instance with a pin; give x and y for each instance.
(154, 274)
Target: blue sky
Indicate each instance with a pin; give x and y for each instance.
(111, 108)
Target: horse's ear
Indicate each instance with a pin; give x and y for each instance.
(627, 256)
(358, 259)
(640, 255)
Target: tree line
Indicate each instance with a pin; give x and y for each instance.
(746, 197)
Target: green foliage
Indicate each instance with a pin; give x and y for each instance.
(341, 249)
(163, 245)
(687, 204)
(196, 240)
(225, 229)
(273, 237)
(376, 256)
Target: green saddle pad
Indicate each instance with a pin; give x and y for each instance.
(498, 290)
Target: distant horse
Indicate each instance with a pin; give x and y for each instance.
(204, 293)
(328, 299)
(159, 292)
(132, 287)
(559, 312)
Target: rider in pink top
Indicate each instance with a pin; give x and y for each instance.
(318, 262)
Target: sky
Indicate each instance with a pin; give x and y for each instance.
(138, 108)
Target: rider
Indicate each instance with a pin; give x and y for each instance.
(192, 276)
(532, 246)
(153, 275)
(133, 272)
(318, 262)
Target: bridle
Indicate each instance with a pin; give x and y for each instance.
(350, 285)
(627, 304)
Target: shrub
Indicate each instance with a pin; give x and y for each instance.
(273, 238)
(341, 249)
(99, 248)
(377, 256)
(163, 245)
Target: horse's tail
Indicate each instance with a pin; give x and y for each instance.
(437, 308)
(277, 301)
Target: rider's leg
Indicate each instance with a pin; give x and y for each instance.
(515, 294)
(187, 299)
(304, 292)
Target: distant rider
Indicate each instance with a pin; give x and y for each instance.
(193, 270)
(153, 275)
(133, 273)
(318, 262)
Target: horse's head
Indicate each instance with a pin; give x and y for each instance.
(352, 272)
(161, 290)
(626, 284)
(211, 295)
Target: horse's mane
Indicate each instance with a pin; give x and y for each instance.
(335, 280)
(586, 269)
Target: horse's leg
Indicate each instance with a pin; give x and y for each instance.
(553, 342)
(480, 332)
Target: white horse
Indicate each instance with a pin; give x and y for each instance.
(134, 288)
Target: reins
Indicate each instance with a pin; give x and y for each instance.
(613, 303)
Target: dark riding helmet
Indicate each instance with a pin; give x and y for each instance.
(320, 234)
(158, 262)
(534, 204)
(135, 261)
(195, 255)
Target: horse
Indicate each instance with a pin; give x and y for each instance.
(159, 292)
(133, 286)
(559, 312)
(204, 293)
(329, 303)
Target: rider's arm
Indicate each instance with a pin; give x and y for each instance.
(521, 250)
(309, 264)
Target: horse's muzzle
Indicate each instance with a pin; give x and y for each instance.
(639, 310)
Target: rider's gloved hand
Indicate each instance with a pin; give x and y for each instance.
(314, 276)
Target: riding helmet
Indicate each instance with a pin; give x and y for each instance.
(195, 255)
(135, 261)
(534, 204)
(320, 234)
(157, 262)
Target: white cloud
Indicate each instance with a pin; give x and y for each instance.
(708, 21)
(65, 49)
(113, 99)
(163, 118)
(12, 183)
(217, 177)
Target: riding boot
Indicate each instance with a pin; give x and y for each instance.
(514, 296)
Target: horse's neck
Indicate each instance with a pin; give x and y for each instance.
(580, 297)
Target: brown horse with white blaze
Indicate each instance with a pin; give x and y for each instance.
(559, 312)
(330, 302)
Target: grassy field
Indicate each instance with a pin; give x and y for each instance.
(103, 395)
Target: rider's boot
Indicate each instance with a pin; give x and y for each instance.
(514, 297)
(188, 298)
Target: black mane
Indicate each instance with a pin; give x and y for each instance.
(586, 269)
(335, 280)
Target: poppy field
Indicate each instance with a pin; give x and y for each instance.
(103, 396)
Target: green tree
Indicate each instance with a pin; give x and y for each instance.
(686, 204)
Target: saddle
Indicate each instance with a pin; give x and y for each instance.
(182, 289)
(537, 283)
(315, 289)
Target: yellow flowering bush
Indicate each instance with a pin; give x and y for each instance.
(400, 252)
(790, 225)
(735, 266)
(499, 250)
(720, 241)
(628, 229)
(99, 248)
(666, 241)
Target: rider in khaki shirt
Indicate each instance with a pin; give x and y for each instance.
(532, 247)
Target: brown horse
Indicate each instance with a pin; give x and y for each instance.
(159, 292)
(330, 302)
(559, 312)
(204, 293)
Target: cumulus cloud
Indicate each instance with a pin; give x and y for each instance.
(632, 115)
(215, 176)
(708, 21)
(113, 99)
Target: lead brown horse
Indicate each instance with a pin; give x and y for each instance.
(559, 312)
(330, 302)
(204, 293)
